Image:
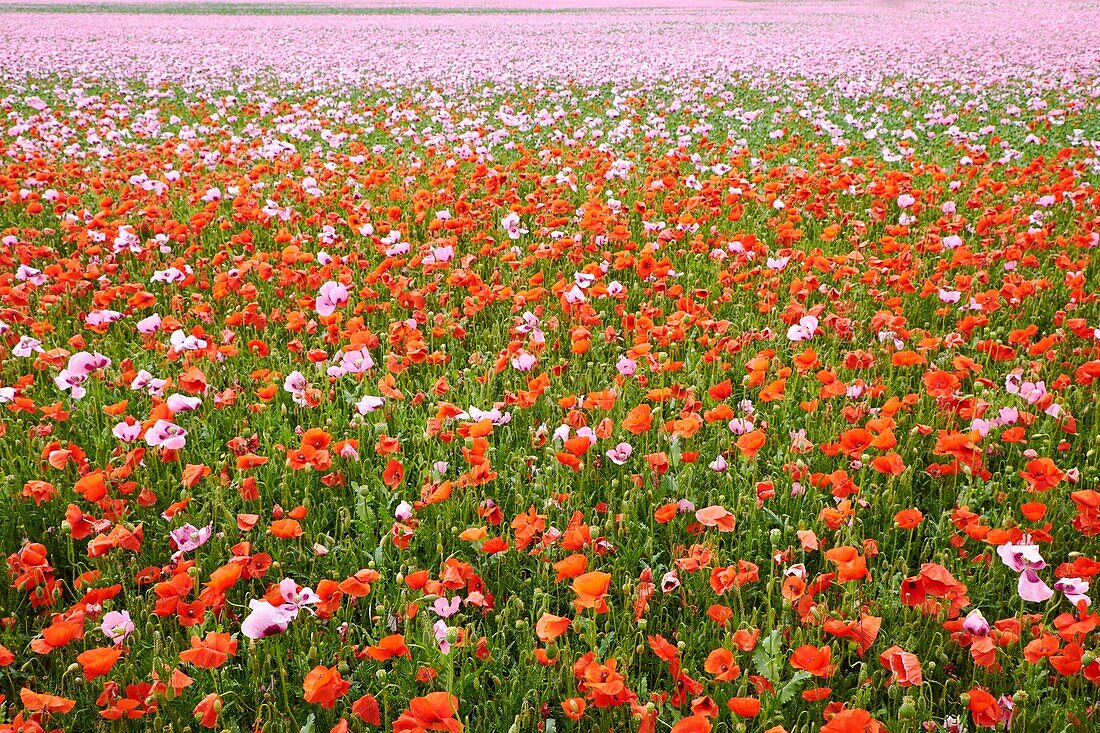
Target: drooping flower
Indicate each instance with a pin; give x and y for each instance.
(1075, 590)
(1024, 558)
(975, 623)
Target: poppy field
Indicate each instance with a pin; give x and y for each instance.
(649, 367)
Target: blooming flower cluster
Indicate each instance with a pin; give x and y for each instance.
(691, 367)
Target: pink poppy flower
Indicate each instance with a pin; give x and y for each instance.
(83, 362)
(368, 404)
(444, 608)
(189, 538)
(1025, 559)
(1032, 588)
(183, 403)
(804, 330)
(296, 598)
(149, 325)
(331, 296)
(27, 347)
(1074, 590)
(167, 435)
(626, 367)
(116, 626)
(1021, 556)
(182, 341)
(264, 620)
(127, 431)
(975, 624)
(71, 382)
(442, 634)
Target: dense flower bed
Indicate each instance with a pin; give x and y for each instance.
(683, 368)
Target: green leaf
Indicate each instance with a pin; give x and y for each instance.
(786, 692)
(766, 658)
